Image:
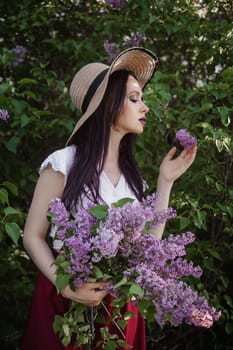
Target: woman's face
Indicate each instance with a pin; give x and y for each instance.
(132, 118)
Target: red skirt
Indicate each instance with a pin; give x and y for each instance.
(46, 303)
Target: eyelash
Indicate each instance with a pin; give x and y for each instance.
(133, 99)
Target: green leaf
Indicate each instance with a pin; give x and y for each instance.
(97, 272)
(61, 281)
(12, 144)
(229, 327)
(118, 302)
(228, 300)
(25, 120)
(58, 322)
(214, 253)
(121, 282)
(152, 19)
(225, 281)
(60, 259)
(135, 289)
(27, 81)
(4, 196)
(66, 329)
(13, 230)
(4, 87)
(225, 115)
(128, 315)
(122, 202)
(99, 211)
(12, 187)
(110, 345)
(123, 344)
(122, 323)
(143, 305)
(184, 222)
(11, 211)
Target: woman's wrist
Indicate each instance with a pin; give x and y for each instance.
(163, 183)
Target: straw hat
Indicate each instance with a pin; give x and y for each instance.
(90, 82)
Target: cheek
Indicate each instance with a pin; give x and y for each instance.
(120, 120)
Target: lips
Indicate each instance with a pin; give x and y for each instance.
(143, 121)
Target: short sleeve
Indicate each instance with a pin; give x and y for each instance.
(60, 160)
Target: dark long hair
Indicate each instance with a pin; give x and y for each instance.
(92, 141)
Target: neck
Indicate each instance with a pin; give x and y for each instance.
(111, 163)
(114, 144)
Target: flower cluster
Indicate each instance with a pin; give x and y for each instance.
(4, 115)
(145, 268)
(112, 50)
(135, 39)
(19, 52)
(186, 140)
(116, 3)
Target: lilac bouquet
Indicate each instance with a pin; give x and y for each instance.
(147, 270)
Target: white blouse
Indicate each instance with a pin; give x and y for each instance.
(62, 160)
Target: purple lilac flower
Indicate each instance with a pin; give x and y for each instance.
(85, 221)
(186, 140)
(116, 3)
(112, 50)
(162, 216)
(105, 243)
(4, 115)
(181, 267)
(19, 52)
(135, 39)
(204, 319)
(79, 257)
(174, 246)
(59, 212)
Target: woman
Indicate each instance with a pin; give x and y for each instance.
(96, 165)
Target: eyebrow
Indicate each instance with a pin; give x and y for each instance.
(138, 92)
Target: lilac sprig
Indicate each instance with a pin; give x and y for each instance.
(116, 3)
(135, 39)
(112, 49)
(4, 115)
(186, 140)
(19, 52)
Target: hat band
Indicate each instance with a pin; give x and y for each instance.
(92, 89)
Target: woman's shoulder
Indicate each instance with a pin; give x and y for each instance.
(60, 160)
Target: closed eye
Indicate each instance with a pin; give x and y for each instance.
(133, 99)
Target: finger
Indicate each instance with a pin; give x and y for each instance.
(184, 154)
(98, 285)
(171, 153)
(192, 154)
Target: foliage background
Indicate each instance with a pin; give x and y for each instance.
(191, 89)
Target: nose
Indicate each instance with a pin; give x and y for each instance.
(144, 107)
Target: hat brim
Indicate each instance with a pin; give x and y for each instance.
(140, 61)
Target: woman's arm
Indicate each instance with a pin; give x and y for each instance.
(170, 170)
(49, 186)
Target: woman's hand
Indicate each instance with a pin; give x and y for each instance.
(171, 169)
(90, 294)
